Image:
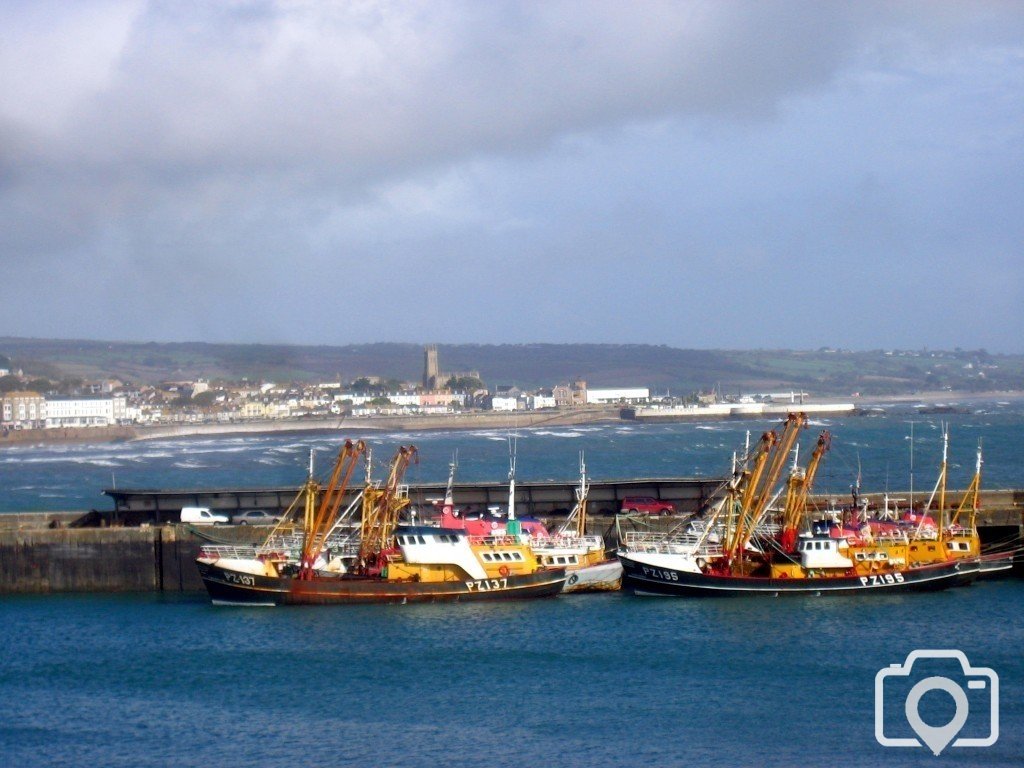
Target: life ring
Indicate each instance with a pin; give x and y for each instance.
(493, 525)
(503, 571)
(701, 562)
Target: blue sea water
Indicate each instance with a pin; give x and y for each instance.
(68, 477)
(603, 680)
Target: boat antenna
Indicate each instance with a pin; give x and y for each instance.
(856, 485)
(512, 442)
(911, 466)
(449, 493)
(312, 459)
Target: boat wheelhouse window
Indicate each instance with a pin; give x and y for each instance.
(506, 556)
(421, 540)
(517, 556)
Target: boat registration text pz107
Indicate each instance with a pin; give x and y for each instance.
(486, 585)
(881, 579)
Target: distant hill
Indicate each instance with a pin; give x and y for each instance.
(821, 372)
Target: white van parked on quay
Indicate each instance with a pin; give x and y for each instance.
(202, 516)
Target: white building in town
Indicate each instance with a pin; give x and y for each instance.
(536, 402)
(85, 411)
(621, 395)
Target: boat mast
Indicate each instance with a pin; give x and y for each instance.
(309, 491)
(577, 519)
(942, 477)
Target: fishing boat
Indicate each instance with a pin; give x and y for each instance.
(589, 567)
(656, 574)
(820, 561)
(951, 534)
(394, 563)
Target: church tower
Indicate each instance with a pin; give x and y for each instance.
(430, 372)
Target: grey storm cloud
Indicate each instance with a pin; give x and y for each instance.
(180, 146)
(353, 93)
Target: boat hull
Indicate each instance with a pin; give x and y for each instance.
(227, 586)
(644, 579)
(995, 565)
(600, 577)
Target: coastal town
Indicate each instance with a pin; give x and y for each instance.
(37, 404)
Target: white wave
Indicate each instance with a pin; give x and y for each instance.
(97, 462)
(188, 464)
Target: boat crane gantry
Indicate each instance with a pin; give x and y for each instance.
(381, 507)
(799, 487)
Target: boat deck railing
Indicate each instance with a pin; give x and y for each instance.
(495, 541)
(678, 544)
(228, 551)
(567, 542)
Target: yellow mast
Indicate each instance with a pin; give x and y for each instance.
(317, 523)
(749, 481)
(972, 496)
(759, 494)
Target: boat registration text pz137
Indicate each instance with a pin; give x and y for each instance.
(486, 585)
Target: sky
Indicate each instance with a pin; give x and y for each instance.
(697, 174)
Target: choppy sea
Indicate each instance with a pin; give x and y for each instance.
(877, 446)
(604, 680)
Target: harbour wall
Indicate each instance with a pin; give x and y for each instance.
(152, 559)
